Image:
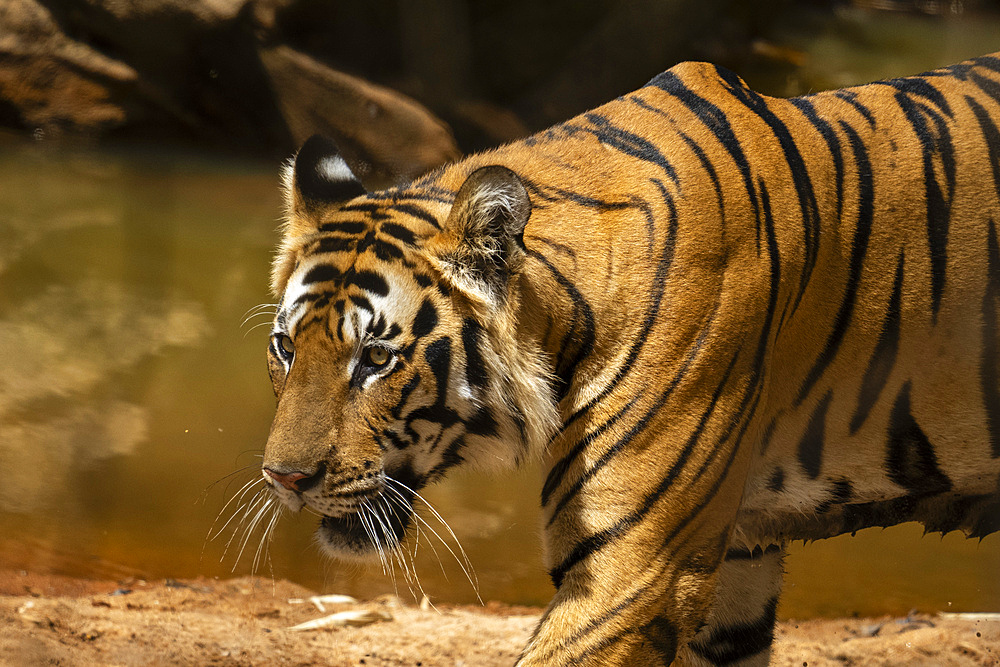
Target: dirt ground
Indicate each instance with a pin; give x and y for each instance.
(56, 620)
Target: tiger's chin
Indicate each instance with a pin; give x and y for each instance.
(365, 534)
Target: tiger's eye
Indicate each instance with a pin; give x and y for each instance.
(378, 356)
(286, 346)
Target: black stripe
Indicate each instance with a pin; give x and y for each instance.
(991, 135)
(561, 248)
(851, 98)
(438, 357)
(776, 482)
(883, 359)
(587, 201)
(699, 153)
(987, 85)
(739, 641)
(362, 302)
(368, 281)
(808, 207)
(910, 461)
(752, 394)
(810, 451)
(931, 130)
(397, 410)
(558, 470)
(452, 457)
(425, 320)
(826, 131)
(580, 335)
(841, 493)
(353, 227)
(747, 407)
(597, 541)
(482, 422)
(398, 232)
(716, 121)
(321, 273)
(475, 368)
(919, 86)
(629, 143)
(989, 362)
(987, 522)
(310, 297)
(988, 62)
(661, 635)
(385, 251)
(592, 624)
(859, 249)
(370, 208)
(744, 414)
(751, 399)
(418, 212)
(713, 176)
(377, 326)
(655, 301)
(335, 244)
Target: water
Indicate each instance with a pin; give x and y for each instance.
(134, 405)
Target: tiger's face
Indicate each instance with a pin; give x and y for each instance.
(385, 346)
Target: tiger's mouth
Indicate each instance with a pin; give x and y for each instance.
(377, 523)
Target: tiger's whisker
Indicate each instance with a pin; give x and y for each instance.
(398, 498)
(256, 326)
(261, 511)
(259, 498)
(238, 496)
(463, 561)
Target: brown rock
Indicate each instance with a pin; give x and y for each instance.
(198, 72)
(386, 136)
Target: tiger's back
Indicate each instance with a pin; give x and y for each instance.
(724, 320)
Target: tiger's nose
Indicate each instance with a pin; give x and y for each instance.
(291, 480)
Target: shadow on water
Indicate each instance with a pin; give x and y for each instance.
(129, 394)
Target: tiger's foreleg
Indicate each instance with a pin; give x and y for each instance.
(740, 627)
(635, 583)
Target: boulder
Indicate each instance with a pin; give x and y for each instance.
(205, 73)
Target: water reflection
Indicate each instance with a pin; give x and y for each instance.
(62, 350)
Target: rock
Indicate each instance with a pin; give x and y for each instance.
(384, 135)
(207, 73)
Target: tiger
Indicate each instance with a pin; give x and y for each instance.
(719, 321)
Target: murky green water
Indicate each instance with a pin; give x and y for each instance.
(130, 393)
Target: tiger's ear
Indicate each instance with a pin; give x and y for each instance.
(315, 178)
(481, 245)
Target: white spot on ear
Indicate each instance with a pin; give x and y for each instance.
(333, 168)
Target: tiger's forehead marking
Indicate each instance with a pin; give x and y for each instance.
(352, 250)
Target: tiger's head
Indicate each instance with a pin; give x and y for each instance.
(395, 352)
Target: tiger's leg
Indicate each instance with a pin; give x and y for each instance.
(740, 627)
(637, 590)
